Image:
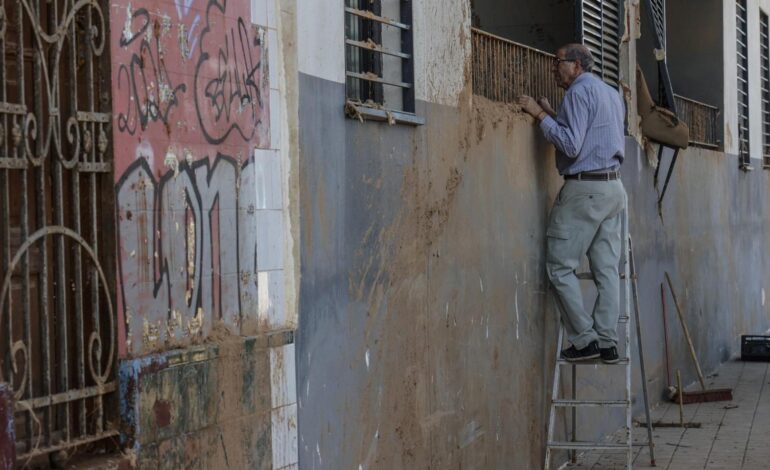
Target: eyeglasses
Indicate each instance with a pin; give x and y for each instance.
(557, 61)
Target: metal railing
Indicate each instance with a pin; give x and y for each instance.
(503, 70)
(58, 345)
(702, 119)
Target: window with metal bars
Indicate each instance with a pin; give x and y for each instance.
(742, 51)
(764, 51)
(599, 22)
(379, 61)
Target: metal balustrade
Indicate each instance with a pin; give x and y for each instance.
(702, 119)
(503, 70)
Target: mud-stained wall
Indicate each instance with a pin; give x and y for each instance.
(421, 281)
(427, 330)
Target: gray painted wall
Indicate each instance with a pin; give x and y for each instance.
(426, 333)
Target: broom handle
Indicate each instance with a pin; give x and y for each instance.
(686, 333)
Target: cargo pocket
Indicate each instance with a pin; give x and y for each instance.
(560, 246)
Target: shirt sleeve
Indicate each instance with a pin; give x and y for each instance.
(568, 131)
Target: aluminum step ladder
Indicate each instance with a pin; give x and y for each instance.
(628, 273)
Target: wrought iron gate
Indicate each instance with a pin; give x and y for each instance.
(57, 341)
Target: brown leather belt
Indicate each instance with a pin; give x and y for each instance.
(587, 176)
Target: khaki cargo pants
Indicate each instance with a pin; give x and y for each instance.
(586, 219)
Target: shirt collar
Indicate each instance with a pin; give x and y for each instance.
(581, 78)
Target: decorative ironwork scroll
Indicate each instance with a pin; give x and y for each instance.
(58, 341)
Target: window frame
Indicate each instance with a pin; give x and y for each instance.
(364, 82)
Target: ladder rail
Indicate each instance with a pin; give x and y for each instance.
(554, 396)
(628, 276)
(626, 288)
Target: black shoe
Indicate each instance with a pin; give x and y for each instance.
(609, 355)
(572, 354)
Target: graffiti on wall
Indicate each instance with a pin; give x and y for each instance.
(190, 104)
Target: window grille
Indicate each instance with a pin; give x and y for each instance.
(742, 52)
(58, 333)
(764, 37)
(599, 31)
(379, 65)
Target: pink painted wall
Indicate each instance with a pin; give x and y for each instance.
(190, 103)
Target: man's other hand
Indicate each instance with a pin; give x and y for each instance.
(546, 105)
(529, 105)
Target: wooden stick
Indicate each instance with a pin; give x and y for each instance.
(681, 398)
(686, 334)
(665, 334)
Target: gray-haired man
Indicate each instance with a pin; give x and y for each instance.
(586, 217)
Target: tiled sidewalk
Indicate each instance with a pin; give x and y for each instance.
(733, 435)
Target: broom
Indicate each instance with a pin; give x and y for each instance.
(705, 395)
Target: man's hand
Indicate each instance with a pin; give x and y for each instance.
(530, 106)
(543, 102)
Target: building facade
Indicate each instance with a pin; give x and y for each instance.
(311, 234)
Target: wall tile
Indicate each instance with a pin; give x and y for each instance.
(270, 240)
(272, 299)
(283, 382)
(272, 18)
(276, 111)
(259, 12)
(284, 432)
(268, 178)
(274, 59)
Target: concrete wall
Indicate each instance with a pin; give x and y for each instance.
(426, 333)
(203, 166)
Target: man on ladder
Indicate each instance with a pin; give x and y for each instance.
(586, 218)
(589, 217)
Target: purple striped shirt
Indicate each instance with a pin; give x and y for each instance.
(588, 130)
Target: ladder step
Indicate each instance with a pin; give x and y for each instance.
(621, 362)
(619, 403)
(587, 445)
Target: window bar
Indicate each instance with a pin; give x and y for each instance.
(764, 35)
(743, 84)
(80, 405)
(94, 222)
(60, 268)
(49, 413)
(373, 78)
(376, 48)
(369, 15)
(24, 232)
(407, 65)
